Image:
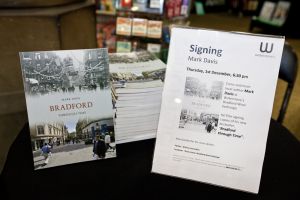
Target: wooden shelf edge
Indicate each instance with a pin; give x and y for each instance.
(45, 12)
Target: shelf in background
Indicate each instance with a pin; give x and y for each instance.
(103, 12)
(146, 11)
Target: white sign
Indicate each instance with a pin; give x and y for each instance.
(216, 107)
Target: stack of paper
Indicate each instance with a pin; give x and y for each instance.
(138, 79)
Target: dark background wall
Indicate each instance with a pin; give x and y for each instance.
(35, 25)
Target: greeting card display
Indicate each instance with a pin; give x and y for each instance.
(154, 29)
(139, 27)
(124, 26)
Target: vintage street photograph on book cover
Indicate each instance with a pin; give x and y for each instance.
(216, 107)
(137, 83)
(69, 105)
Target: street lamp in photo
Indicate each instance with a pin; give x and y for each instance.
(97, 129)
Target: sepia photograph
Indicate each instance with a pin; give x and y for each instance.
(136, 70)
(49, 72)
(136, 57)
(142, 80)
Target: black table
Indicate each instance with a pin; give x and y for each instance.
(128, 176)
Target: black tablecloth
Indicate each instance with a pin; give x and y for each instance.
(128, 176)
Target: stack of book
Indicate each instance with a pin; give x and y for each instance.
(176, 8)
(140, 27)
(137, 79)
(145, 6)
(106, 28)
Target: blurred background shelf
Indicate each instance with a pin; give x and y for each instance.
(167, 12)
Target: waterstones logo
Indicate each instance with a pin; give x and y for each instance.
(266, 48)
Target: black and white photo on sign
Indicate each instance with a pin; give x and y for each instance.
(198, 121)
(194, 87)
(61, 143)
(49, 72)
(200, 105)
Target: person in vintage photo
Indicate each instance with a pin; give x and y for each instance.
(107, 140)
(211, 125)
(100, 148)
(46, 153)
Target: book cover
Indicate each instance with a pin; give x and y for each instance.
(177, 7)
(154, 48)
(108, 6)
(123, 46)
(69, 106)
(127, 4)
(138, 79)
(155, 4)
(106, 29)
(170, 6)
(267, 10)
(199, 8)
(281, 12)
(140, 5)
(154, 29)
(185, 7)
(124, 26)
(216, 107)
(139, 27)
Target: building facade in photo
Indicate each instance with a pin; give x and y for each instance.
(53, 133)
(98, 127)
